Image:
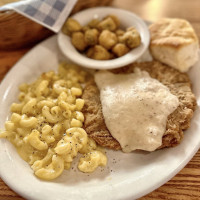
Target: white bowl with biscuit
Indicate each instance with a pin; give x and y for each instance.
(127, 19)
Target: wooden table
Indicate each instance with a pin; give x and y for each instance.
(186, 184)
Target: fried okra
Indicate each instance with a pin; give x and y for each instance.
(120, 49)
(119, 32)
(98, 53)
(102, 39)
(85, 28)
(93, 23)
(131, 38)
(70, 26)
(115, 19)
(78, 41)
(107, 39)
(91, 37)
(107, 24)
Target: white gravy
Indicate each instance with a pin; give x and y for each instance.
(135, 108)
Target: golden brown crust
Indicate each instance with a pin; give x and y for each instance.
(173, 33)
(94, 122)
(179, 85)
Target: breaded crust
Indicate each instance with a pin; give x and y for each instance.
(179, 85)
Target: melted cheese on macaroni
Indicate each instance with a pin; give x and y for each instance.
(46, 126)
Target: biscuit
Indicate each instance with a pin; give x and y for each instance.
(174, 42)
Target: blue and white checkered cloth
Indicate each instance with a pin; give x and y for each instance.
(50, 13)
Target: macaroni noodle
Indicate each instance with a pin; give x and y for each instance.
(46, 126)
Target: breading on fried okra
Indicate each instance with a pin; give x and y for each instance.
(98, 53)
(70, 26)
(91, 37)
(120, 49)
(78, 41)
(107, 39)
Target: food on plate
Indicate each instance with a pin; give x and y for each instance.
(105, 37)
(78, 41)
(93, 23)
(98, 53)
(115, 19)
(107, 24)
(142, 106)
(91, 36)
(70, 26)
(131, 38)
(174, 42)
(120, 49)
(139, 99)
(46, 126)
(119, 32)
(178, 121)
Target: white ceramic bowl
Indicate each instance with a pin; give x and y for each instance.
(127, 19)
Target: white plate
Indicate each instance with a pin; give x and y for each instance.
(127, 19)
(127, 176)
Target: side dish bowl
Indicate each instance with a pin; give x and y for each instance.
(127, 19)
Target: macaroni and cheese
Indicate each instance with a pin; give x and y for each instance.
(46, 126)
